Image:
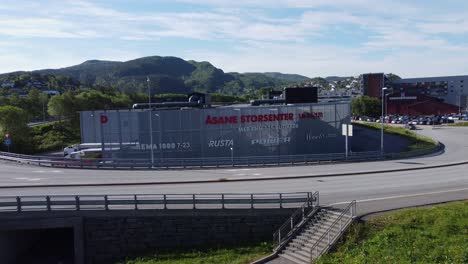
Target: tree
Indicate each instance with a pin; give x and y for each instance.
(15, 100)
(366, 106)
(33, 104)
(44, 99)
(63, 106)
(121, 100)
(13, 120)
(92, 100)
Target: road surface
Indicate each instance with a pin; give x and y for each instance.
(374, 191)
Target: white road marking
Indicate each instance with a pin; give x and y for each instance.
(234, 170)
(256, 174)
(28, 179)
(402, 196)
(41, 171)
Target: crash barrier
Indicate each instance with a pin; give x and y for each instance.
(155, 201)
(212, 162)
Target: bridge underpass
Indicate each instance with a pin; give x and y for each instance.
(40, 246)
(40, 240)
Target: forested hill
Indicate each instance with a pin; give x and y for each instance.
(287, 77)
(169, 75)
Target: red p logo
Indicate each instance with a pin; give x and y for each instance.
(104, 119)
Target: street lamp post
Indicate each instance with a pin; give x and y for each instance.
(278, 135)
(232, 156)
(386, 104)
(159, 138)
(150, 120)
(382, 123)
(459, 102)
(239, 114)
(43, 109)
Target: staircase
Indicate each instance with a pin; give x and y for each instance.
(309, 233)
(316, 237)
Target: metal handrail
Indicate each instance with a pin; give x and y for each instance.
(161, 201)
(352, 208)
(300, 216)
(210, 162)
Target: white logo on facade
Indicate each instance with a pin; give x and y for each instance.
(261, 127)
(321, 136)
(270, 141)
(221, 143)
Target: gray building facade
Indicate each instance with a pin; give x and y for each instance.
(451, 89)
(221, 132)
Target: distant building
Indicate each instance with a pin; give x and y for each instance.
(51, 92)
(16, 91)
(419, 96)
(36, 84)
(449, 89)
(372, 84)
(7, 85)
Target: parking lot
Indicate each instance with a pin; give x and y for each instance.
(415, 120)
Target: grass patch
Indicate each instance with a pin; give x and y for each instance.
(232, 255)
(417, 141)
(436, 234)
(459, 124)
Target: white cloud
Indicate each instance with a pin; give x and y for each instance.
(35, 27)
(382, 6)
(450, 26)
(325, 60)
(264, 41)
(52, 58)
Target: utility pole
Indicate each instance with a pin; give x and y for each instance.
(382, 123)
(150, 120)
(43, 110)
(459, 102)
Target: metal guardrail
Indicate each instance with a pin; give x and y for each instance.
(211, 162)
(153, 201)
(296, 220)
(350, 213)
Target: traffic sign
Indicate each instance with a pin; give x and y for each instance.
(7, 142)
(347, 130)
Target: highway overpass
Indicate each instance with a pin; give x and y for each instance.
(433, 178)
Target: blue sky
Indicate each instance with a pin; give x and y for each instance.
(310, 37)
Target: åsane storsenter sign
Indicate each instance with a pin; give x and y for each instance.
(233, 119)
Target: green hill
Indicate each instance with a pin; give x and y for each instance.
(168, 75)
(287, 77)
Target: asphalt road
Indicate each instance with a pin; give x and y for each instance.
(374, 191)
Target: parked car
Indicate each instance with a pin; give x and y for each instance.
(410, 126)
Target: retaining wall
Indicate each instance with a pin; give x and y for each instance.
(106, 237)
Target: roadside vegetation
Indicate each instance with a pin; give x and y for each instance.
(459, 124)
(16, 112)
(417, 141)
(233, 255)
(365, 106)
(435, 234)
(53, 136)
